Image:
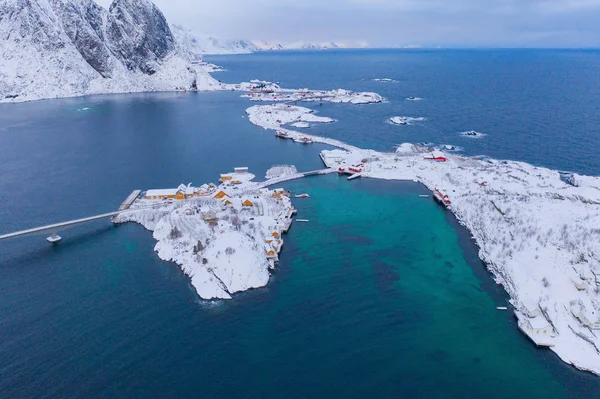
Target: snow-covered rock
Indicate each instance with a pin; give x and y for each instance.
(472, 134)
(63, 48)
(405, 120)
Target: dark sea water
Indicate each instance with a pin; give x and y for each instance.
(539, 106)
(381, 295)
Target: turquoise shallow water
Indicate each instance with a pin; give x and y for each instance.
(381, 295)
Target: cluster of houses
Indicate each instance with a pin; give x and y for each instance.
(228, 199)
(239, 176)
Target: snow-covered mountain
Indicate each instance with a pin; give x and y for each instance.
(312, 46)
(199, 44)
(61, 48)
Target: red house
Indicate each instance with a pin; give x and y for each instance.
(437, 156)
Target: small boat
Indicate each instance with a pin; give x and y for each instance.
(410, 98)
(302, 196)
(502, 308)
(442, 198)
(423, 196)
(302, 220)
(303, 140)
(282, 134)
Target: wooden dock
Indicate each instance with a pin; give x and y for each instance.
(130, 200)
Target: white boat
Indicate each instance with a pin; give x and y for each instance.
(423, 196)
(302, 220)
(302, 196)
(502, 308)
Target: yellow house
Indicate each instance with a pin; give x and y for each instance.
(221, 195)
(275, 234)
(247, 203)
(227, 202)
(226, 177)
(161, 194)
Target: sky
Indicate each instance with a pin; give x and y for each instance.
(394, 23)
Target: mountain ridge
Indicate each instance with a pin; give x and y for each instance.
(64, 48)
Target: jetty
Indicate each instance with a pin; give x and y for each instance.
(53, 229)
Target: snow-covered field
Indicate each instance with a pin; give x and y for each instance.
(538, 234)
(223, 243)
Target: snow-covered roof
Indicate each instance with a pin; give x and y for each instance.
(538, 322)
(161, 192)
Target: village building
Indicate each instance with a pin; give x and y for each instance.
(538, 330)
(222, 194)
(437, 156)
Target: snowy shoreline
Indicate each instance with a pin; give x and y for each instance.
(536, 231)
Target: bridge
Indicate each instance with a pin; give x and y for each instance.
(52, 229)
(309, 98)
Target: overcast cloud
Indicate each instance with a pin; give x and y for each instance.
(395, 23)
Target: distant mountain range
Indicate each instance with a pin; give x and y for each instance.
(205, 44)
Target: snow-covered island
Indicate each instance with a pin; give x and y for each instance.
(226, 238)
(273, 93)
(537, 229)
